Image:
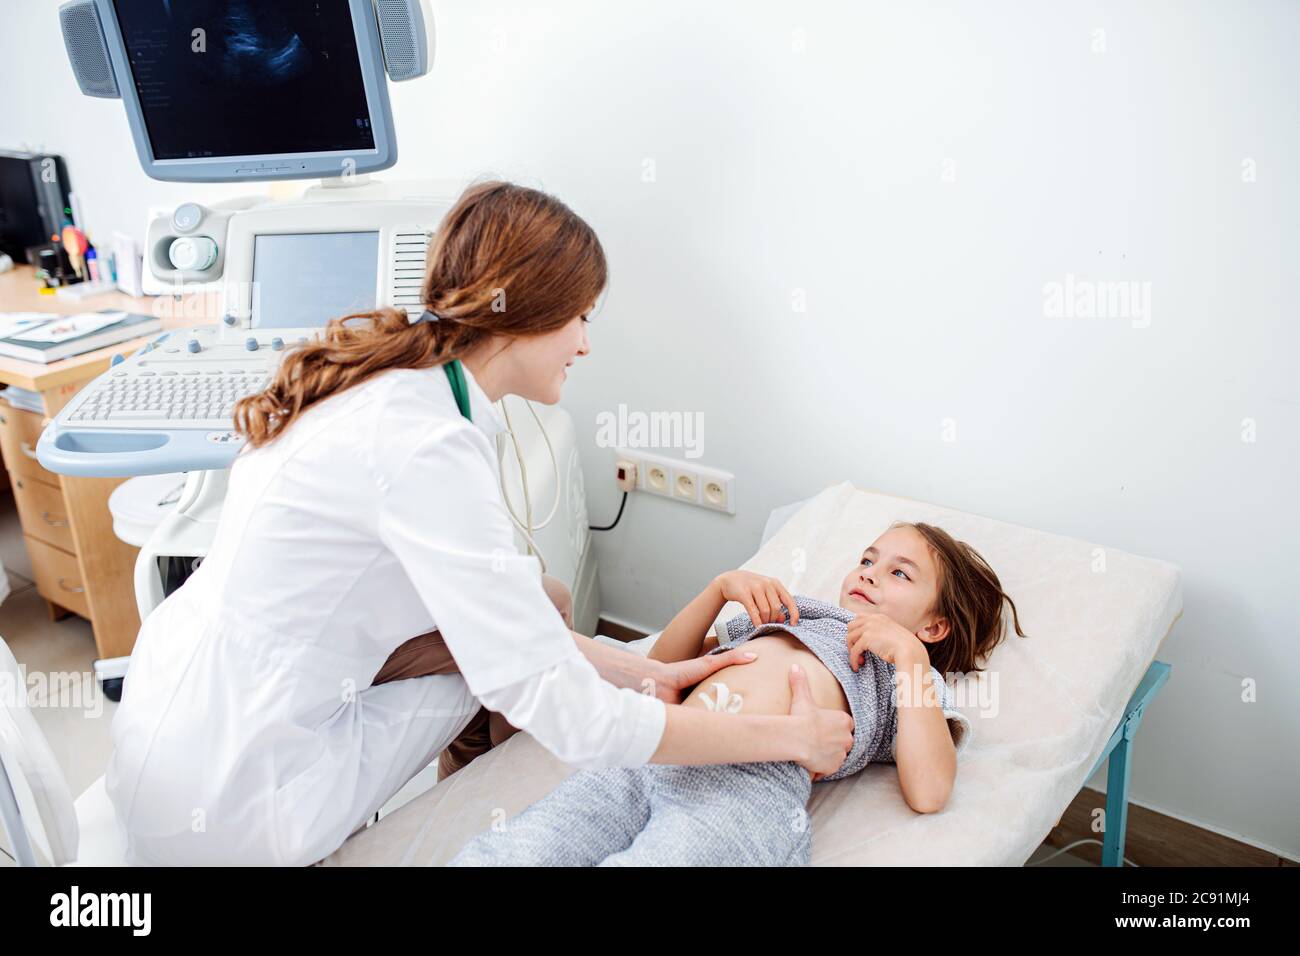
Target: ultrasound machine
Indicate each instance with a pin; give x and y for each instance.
(250, 90)
(239, 90)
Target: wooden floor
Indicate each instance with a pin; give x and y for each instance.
(1154, 839)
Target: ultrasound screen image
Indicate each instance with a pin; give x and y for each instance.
(246, 77)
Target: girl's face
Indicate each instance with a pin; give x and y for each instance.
(898, 577)
(538, 363)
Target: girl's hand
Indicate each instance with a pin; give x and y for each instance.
(829, 733)
(762, 597)
(882, 636)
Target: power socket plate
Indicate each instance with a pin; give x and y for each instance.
(683, 480)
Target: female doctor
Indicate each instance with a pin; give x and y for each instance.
(364, 510)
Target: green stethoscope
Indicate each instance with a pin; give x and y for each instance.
(455, 374)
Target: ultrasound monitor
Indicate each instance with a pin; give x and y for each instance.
(230, 90)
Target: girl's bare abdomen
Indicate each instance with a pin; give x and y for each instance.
(763, 685)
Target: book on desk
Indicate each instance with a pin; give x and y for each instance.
(43, 338)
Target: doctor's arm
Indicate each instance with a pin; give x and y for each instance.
(663, 679)
(815, 738)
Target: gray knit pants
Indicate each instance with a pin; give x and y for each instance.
(740, 814)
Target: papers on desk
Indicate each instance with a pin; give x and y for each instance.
(67, 328)
(41, 337)
(11, 322)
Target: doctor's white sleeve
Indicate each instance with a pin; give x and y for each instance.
(441, 515)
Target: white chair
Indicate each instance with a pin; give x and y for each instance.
(41, 820)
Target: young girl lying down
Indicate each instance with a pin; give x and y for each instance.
(917, 605)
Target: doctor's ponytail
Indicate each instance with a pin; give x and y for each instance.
(506, 261)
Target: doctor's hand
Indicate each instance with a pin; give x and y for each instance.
(829, 733)
(674, 677)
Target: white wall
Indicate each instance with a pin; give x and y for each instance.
(809, 147)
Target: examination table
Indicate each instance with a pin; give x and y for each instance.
(1046, 712)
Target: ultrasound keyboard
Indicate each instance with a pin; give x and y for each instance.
(187, 379)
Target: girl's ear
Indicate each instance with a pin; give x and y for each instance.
(935, 631)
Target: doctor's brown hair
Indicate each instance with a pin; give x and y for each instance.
(506, 260)
(970, 597)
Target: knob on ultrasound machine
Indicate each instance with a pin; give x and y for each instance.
(192, 253)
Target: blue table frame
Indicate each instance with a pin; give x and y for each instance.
(1119, 752)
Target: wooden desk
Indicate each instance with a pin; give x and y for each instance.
(80, 565)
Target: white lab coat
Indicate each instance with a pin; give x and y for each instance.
(248, 732)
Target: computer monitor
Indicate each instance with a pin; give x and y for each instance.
(302, 280)
(230, 90)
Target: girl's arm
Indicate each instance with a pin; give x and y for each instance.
(683, 638)
(924, 751)
(763, 598)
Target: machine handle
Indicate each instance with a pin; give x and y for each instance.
(52, 521)
(125, 453)
(27, 450)
(73, 590)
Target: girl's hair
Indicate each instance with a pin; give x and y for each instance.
(506, 260)
(970, 597)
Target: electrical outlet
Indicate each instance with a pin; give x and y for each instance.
(681, 481)
(686, 485)
(657, 479)
(715, 493)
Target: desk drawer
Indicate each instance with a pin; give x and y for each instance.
(43, 512)
(19, 432)
(58, 578)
